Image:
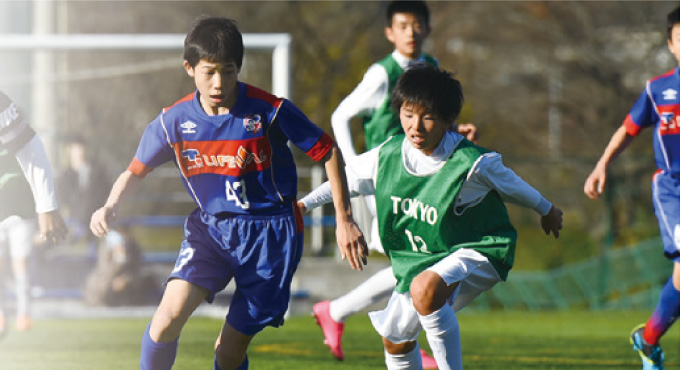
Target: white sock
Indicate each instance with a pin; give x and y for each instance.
(443, 334)
(23, 294)
(377, 287)
(407, 361)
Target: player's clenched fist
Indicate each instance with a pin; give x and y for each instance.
(99, 223)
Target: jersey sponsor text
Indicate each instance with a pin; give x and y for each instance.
(415, 209)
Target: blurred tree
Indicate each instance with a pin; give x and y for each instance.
(546, 82)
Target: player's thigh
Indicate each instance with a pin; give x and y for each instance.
(676, 275)
(179, 301)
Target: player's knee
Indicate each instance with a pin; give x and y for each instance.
(424, 292)
(398, 348)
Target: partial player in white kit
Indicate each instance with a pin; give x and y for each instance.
(26, 189)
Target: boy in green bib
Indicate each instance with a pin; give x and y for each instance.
(407, 27)
(441, 217)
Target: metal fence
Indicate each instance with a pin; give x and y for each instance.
(624, 278)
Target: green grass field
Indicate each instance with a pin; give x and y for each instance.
(491, 340)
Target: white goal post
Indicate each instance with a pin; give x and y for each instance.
(39, 43)
(278, 43)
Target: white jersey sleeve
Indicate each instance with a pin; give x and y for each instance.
(489, 173)
(361, 172)
(363, 101)
(33, 160)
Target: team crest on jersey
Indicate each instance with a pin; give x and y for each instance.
(669, 94)
(253, 123)
(189, 127)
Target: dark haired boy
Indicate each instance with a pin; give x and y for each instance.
(26, 191)
(407, 27)
(229, 142)
(658, 107)
(441, 217)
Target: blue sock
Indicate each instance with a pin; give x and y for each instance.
(157, 356)
(664, 315)
(244, 365)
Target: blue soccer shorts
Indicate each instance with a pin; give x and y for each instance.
(261, 254)
(666, 199)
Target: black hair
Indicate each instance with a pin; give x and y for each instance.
(672, 20)
(418, 8)
(214, 39)
(432, 88)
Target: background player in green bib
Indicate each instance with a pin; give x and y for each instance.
(407, 27)
(441, 215)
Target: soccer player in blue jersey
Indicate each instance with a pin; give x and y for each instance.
(657, 107)
(230, 143)
(441, 218)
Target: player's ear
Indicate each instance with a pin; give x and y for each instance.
(189, 69)
(389, 34)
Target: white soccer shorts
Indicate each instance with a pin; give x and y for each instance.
(399, 323)
(16, 234)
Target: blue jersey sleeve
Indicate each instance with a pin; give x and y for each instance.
(153, 149)
(642, 115)
(302, 132)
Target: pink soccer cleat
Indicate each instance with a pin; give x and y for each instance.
(428, 361)
(332, 330)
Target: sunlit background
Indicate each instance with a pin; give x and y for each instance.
(546, 83)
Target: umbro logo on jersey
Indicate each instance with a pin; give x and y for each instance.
(253, 123)
(189, 127)
(669, 94)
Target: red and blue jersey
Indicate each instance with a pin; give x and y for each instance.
(659, 107)
(235, 163)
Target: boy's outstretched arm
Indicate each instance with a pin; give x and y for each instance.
(597, 179)
(125, 185)
(552, 222)
(350, 239)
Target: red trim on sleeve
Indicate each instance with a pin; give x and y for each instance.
(257, 93)
(138, 168)
(299, 221)
(632, 129)
(184, 99)
(321, 148)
